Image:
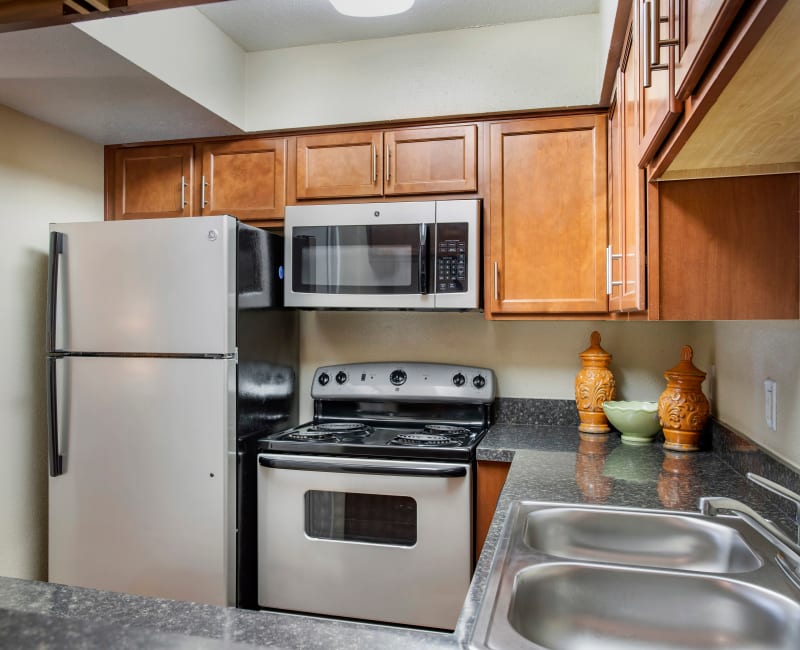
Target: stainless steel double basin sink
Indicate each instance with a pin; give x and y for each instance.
(595, 578)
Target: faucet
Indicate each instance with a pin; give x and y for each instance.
(711, 506)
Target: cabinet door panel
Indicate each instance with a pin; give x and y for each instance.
(340, 165)
(701, 25)
(548, 215)
(153, 182)
(632, 297)
(245, 179)
(659, 110)
(424, 161)
(729, 248)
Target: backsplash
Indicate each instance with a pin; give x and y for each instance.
(547, 412)
(744, 456)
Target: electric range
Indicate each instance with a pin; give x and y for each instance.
(366, 511)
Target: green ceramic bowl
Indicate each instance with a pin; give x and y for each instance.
(636, 421)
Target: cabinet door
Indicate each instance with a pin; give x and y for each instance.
(654, 28)
(153, 182)
(340, 165)
(615, 200)
(632, 262)
(427, 161)
(491, 477)
(548, 216)
(244, 178)
(700, 25)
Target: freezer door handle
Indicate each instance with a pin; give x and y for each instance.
(56, 460)
(56, 249)
(331, 465)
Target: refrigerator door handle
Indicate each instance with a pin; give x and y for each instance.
(56, 460)
(56, 249)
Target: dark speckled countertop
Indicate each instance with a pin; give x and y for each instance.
(548, 463)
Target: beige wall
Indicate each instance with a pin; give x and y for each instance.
(45, 175)
(530, 359)
(744, 355)
(543, 63)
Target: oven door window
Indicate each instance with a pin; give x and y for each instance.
(355, 517)
(379, 259)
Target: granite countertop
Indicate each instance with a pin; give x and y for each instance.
(548, 463)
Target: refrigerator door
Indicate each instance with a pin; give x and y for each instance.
(155, 286)
(146, 503)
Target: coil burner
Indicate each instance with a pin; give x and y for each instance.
(311, 436)
(348, 430)
(445, 430)
(423, 440)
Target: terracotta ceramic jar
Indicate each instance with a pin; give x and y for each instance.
(682, 407)
(594, 384)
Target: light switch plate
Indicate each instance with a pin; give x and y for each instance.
(771, 404)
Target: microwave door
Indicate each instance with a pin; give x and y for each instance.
(360, 266)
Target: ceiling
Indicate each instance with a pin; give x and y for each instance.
(64, 77)
(258, 25)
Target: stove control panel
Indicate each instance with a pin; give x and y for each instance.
(424, 382)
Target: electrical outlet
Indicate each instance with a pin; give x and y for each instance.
(771, 403)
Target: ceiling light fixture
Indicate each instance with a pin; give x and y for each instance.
(371, 8)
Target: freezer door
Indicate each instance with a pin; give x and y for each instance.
(146, 503)
(165, 286)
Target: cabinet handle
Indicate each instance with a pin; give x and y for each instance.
(374, 164)
(203, 185)
(183, 192)
(653, 41)
(647, 26)
(388, 163)
(496, 283)
(609, 283)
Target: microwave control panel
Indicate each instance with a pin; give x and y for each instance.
(451, 257)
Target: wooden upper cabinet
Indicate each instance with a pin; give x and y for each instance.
(626, 191)
(548, 228)
(728, 248)
(424, 160)
(654, 29)
(700, 28)
(244, 178)
(153, 182)
(335, 165)
(433, 160)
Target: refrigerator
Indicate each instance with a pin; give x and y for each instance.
(168, 353)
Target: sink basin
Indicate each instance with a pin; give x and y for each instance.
(575, 577)
(573, 606)
(639, 538)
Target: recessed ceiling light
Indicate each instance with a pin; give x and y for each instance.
(370, 8)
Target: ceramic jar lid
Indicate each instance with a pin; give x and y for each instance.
(685, 369)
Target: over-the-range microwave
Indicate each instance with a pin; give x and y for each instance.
(404, 255)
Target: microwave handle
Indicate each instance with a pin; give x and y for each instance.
(423, 258)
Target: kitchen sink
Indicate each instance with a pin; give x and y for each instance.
(639, 538)
(572, 577)
(569, 606)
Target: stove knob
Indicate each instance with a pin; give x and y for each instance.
(323, 379)
(398, 377)
(479, 381)
(459, 379)
(341, 377)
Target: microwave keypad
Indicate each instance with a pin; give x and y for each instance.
(451, 269)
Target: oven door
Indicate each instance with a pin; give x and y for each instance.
(379, 540)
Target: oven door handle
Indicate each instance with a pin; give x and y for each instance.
(332, 465)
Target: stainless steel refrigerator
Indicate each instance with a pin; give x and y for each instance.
(168, 351)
